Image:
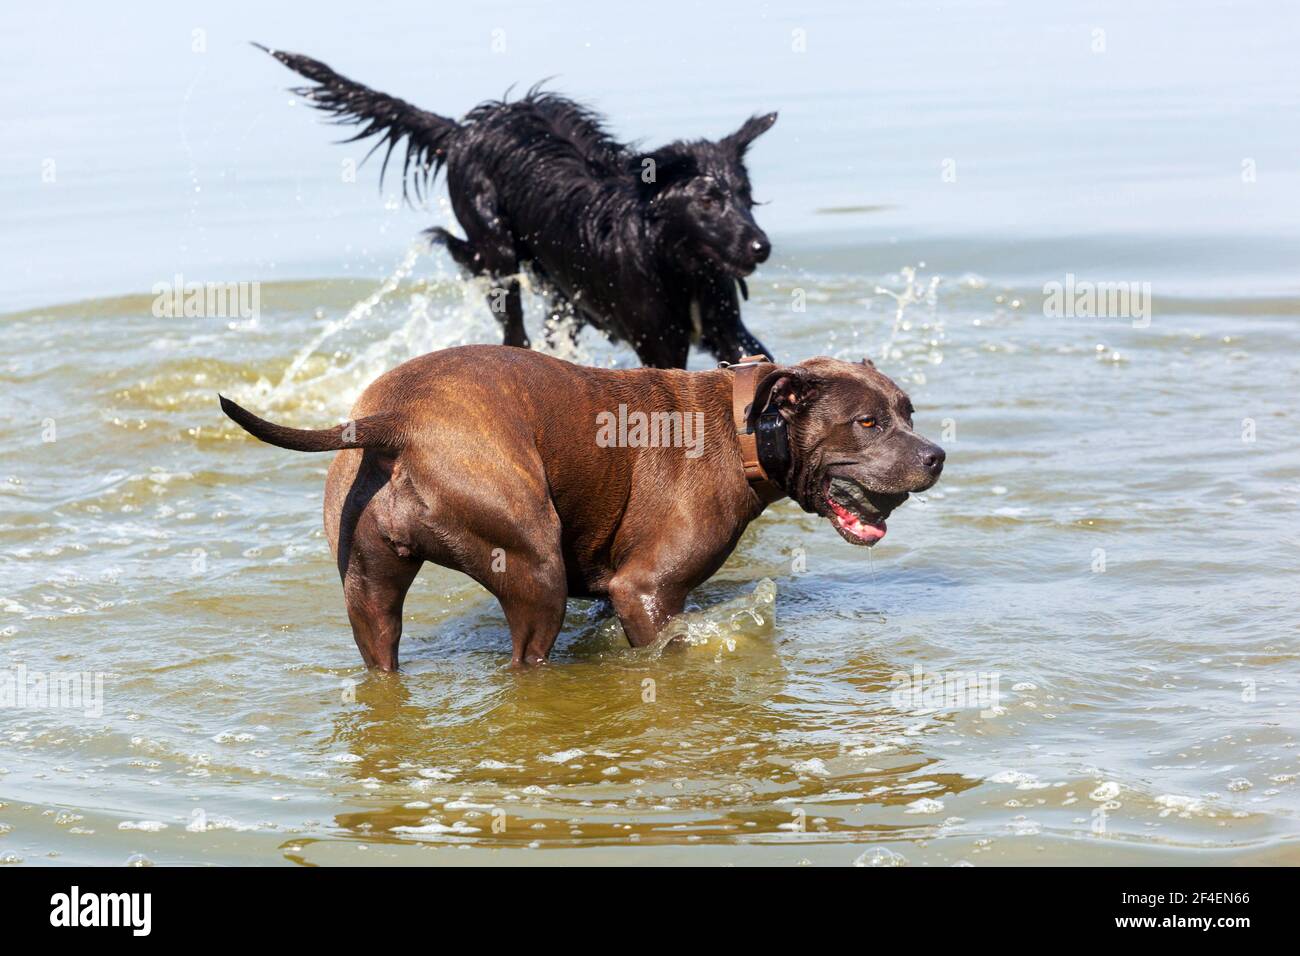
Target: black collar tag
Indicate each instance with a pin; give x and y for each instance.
(773, 446)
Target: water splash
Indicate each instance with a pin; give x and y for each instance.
(407, 316)
(361, 310)
(724, 626)
(913, 292)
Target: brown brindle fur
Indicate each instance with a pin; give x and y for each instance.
(484, 459)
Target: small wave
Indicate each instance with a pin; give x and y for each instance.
(725, 627)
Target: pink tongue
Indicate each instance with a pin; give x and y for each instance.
(872, 531)
(863, 530)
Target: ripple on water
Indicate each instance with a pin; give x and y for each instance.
(1144, 675)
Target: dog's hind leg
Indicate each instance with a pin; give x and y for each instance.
(518, 559)
(534, 610)
(374, 588)
(487, 249)
(504, 299)
(376, 573)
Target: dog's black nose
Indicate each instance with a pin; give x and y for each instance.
(932, 457)
(761, 249)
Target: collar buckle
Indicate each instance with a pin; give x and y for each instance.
(743, 386)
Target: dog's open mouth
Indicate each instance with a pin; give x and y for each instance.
(858, 514)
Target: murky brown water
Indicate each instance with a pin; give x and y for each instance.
(1105, 551)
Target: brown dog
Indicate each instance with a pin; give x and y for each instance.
(544, 480)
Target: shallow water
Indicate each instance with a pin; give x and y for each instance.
(151, 541)
(1109, 559)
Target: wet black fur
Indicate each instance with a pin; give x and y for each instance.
(649, 247)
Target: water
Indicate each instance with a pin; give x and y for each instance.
(1113, 541)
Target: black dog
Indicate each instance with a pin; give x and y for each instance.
(649, 248)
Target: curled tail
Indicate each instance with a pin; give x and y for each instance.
(378, 114)
(373, 431)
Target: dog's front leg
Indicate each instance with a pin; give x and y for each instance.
(723, 331)
(644, 602)
(668, 348)
(535, 622)
(741, 343)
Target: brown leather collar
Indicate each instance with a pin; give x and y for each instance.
(743, 385)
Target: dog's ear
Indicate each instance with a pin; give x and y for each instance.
(753, 128)
(791, 390)
(663, 168)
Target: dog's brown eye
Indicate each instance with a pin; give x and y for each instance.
(867, 422)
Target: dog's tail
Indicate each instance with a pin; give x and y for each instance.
(378, 114)
(374, 431)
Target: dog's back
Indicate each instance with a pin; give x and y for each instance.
(551, 170)
(543, 127)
